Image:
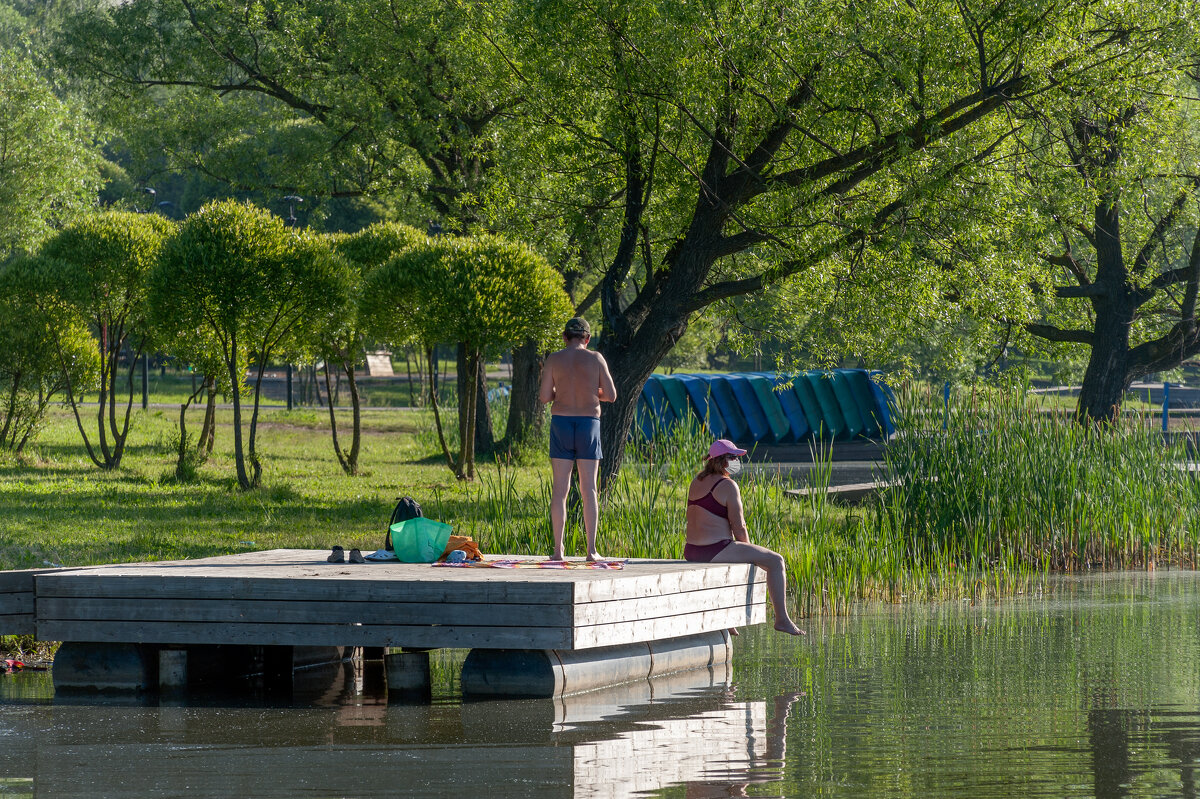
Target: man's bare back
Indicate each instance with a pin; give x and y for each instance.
(576, 380)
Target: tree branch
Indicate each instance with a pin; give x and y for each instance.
(1067, 260)
(767, 147)
(1080, 292)
(1165, 352)
(1052, 333)
(1172, 276)
(1160, 229)
(870, 158)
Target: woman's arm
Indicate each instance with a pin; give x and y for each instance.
(733, 503)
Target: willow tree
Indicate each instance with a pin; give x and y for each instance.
(102, 262)
(1119, 196)
(239, 275)
(747, 145)
(484, 293)
(49, 164)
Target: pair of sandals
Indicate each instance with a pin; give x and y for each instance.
(338, 555)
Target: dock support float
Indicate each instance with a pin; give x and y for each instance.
(555, 672)
(408, 675)
(83, 666)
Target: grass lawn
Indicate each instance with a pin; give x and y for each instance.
(58, 508)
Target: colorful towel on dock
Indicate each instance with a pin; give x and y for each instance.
(536, 564)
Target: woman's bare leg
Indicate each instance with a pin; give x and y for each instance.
(772, 563)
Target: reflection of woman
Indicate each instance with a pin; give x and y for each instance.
(716, 527)
(772, 766)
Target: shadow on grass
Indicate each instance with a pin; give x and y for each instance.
(56, 452)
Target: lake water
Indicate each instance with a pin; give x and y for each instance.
(1091, 688)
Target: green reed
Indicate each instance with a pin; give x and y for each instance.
(984, 501)
(1007, 485)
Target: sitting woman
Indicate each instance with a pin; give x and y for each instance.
(716, 528)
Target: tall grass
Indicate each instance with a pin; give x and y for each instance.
(1008, 485)
(984, 499)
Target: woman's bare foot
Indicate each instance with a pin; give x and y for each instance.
(558, 556)
(788, 626)
(594, 556)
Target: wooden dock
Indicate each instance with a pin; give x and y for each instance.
(294, 598)
(846, 494)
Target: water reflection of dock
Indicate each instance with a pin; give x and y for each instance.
(616, 742)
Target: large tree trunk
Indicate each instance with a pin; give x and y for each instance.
(1107, 376)
(631, 366)
(525, 410)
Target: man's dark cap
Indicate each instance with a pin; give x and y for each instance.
(577, 327)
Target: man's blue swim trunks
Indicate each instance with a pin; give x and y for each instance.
(575, 438)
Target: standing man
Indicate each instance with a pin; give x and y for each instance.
(576, 380)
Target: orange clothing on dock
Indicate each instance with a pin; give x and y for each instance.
(466, 544)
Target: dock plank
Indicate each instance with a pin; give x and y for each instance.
(668, 627)
(305, 612)
(294, 597)
(377, 587)
(18, 624)
(367, 612)
(17, 604)
(182, 632)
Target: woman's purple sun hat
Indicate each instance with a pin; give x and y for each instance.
(723, 446)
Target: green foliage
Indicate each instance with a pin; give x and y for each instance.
(365, 250)
(1009, 486)
(45, 349)
(257, 288)
(105, 260)
(48, 163)
(239, 272)
(376, 244)
(486, 292)
(338, 98)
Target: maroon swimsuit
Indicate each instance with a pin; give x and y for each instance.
(704, 553)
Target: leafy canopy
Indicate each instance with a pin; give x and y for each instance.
(49, 166)
(486, 292)
(239, 272)
(105, 259)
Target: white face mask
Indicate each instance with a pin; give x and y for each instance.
(734, 467)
